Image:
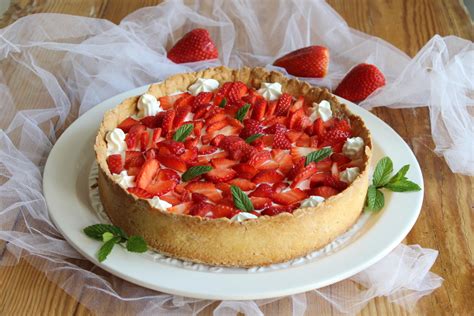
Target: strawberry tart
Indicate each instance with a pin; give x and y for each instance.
(233, 167)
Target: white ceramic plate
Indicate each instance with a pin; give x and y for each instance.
(67, 194)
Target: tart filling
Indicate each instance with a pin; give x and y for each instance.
(262, 140)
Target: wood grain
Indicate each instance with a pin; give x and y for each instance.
(445, 223)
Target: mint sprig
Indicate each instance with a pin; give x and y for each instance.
(253, 138)
(318, 155)
(242, 112)
(195, 171)
(111, 235)
(183, 132)
(383, 179)
(241, 200)
(223, 103)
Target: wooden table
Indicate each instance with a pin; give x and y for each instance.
(445, 223)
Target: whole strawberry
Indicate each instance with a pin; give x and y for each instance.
(311, 61)
(193, 46)
(360, 82)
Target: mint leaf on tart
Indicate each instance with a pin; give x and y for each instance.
(382, 179)
(318, 155)
(183, 132)
(382, 172)
(136, 244)
(195, 171)
(223, 103)
(111, 235)
(106, 248)
(241, 200)
(253, 138)
(240, 115)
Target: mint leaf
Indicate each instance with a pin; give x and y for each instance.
(382, 172)
(240, 115)
(183, 132)
(252, 138)
(241, 200)
(107, 236)
(318, 155)
(97, 231)
(375, 199)
(136, 244)
(106, 248)
(223, 103)
(195, 171)
(400, 174)
(402, 185)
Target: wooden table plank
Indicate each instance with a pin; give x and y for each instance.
(445, 222)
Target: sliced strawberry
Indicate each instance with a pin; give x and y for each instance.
(206, 188)
(147, 173)
(202, 209)
(221, 210)
(182, 208)
(251, 127)
(283, 104)
(220, 175)
(168, 101)
(186, 100)
(268, 165)
(313, 141)
(126, 124)
(197, 130)
(299, 104)
(279, 187)
(324, 165)
(156, 135)
(257, 159)
(198, 197)
(207, 149)
(295, 121)
(133, 159)
(168, 120)
(268, 176)
(243, 184)
(191, 142)
(281, 141)
(216, 126)
(263, 190)
(245, 171)
(141, 193)
(194, 46)
(306, 173)
(260, 203)
(237, 91)
(217, 140)
(115, 163)
(300, 152)
(180, 115)
(293, 136)
(201, 111)
(289, 197)
(190, 155)
(271, 108)
(151, 153)
(297, 167)
(225, 188)
(334, 182)
(160, 188)
(202, 98)
(173, 162)
(218, 117)
(284, 160)
(174, 147)
(144, 140)
(132, 139)
(258, 110)
(335, 136)
(167, 174)
(172, 197)
(318, 178)
(324, 191)
(318, 128)
(277, 209)
(152, 121)
(223, 163)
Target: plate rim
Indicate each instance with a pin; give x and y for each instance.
(83, 245)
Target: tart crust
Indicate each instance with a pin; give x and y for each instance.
(263, 241)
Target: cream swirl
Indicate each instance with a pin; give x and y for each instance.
(349, 174)
(160, 204)
(203, 85)
(243, 216)
(115, 142)
(312, 201)
(124, 180)
(322, 110)
(353, 147)
(270, 90)
(148, 105)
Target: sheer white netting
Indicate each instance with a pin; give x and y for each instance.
(55, 67)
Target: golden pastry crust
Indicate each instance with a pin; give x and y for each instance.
(263, 241)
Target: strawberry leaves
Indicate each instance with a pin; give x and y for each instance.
(183, 132)
(111, 235)
(195, 171)
(241, 200)
(383, 178)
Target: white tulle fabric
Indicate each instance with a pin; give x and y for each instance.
(55, 67)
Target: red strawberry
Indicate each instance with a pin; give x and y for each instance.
(147, 172)
(183, 208)
(221, 210)
(340, 159)
(207, 149)
(167, 174)
(193, 46)
(168, 101)
(168, 120)
(243, 184)
(281, 141)
(360, 82)
(260, 203)
(263, 190)
(202, 98)
(311, 61)
(152, 121)
(185, 101)
(251, 127)
(202, 209)
(151, 153)
(334, 182)
(217, 117)
(172, 197)
(216, 126)
(115, 163)
(237, 91)
(324, 165)
(144, 140)
(299, 104)
(246, 171)
(191, 142)
(258, 158)
(289, 197)
(217, 140)
(300, 152)
(258, 111)
(133, 137)
(133, 159)
(297, 167)
(268, 176)
(283, 159)
(198, 128)
(223, 163)
(279, 187)
(127, 124)
(173, 162)
(198, 197)
(206, 188)
(324, 191)
(296, 119)
(160, 188)
(318, 178)
(189, 155)
(140, 193)
(293, 136)
(303, 141)
(220, 175)
(304, 174)
(180, 115)
(283, 104)
(335, 136)
(174, 147)
(156, 135)
(271, 108)
(225, 188)
(275, 210)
